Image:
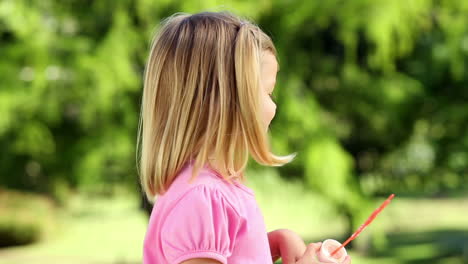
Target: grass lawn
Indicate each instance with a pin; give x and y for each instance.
(92, 230)
(98, 230)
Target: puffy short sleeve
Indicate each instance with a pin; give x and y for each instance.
(202, 224)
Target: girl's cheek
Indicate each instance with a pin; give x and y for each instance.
(271, 111)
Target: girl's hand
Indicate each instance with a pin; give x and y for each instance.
(286, 244)
(290, 247)
(310, 255)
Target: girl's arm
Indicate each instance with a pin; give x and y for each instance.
(273, 240)
(201, 261)
(287, 245)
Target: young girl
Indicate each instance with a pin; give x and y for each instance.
(206, 107)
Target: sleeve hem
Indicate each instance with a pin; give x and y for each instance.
(201, 254)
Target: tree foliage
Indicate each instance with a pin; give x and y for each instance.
(371, 93)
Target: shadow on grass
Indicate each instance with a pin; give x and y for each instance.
(438, 246)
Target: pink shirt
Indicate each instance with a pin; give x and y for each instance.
(208, 218)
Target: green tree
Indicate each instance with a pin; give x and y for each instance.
(371, 93)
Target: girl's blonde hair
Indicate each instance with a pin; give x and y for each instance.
(202, 97)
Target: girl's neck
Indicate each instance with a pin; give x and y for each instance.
(213, 164)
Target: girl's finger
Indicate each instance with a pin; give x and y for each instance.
(347, 260)
(310, 254)
(317, 246)
(312, 250)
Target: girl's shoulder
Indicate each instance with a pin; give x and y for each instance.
(208, 186)
(211, 179)
(198, 217)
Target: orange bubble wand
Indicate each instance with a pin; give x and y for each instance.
(368, 221)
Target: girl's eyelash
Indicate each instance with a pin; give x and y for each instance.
(272, 96)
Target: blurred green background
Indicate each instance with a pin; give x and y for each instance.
(372, 95)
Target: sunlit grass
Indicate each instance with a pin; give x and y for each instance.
(92, 230)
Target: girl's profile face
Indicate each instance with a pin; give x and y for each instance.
(269, 69)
